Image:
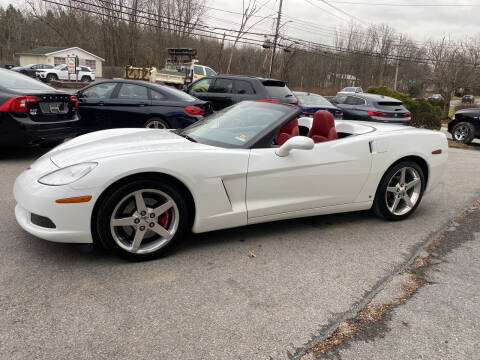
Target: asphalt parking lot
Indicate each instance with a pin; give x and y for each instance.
(209, 299)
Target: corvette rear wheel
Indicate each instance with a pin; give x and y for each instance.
(400, 191)
(142, 220)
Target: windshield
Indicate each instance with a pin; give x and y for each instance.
(312, 100)
(236, 126)
(350, 89)
(13, 80)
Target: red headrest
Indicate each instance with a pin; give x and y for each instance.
(322, 123)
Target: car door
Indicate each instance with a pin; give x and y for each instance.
(221, 93)
(129, 105)
(332, 173)
(244, 91)
(93, 106)
(200, 88)
(358, 109)
(62, 73)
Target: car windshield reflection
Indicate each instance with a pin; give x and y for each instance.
(236, 126)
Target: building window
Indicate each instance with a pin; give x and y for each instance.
(92, 64)
(59, 61)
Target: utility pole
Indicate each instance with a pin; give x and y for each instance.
(276, 37)
(396, 76)
(220, 55)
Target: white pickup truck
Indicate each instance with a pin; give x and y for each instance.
(60, 72)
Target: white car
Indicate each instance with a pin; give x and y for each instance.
(351, 90)
(60, 72)
(138, 191)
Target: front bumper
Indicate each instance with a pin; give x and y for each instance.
(72, 221)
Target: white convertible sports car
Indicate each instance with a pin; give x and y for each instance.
(138, 191)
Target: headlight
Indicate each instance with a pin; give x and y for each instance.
(67, 175)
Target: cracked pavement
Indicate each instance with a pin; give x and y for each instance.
(209, 299)
(441, 320)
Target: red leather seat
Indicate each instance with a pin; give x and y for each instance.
(288, 131)
(323, 127)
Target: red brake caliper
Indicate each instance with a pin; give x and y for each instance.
(165, 218)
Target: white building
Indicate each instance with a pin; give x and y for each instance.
(54, 56)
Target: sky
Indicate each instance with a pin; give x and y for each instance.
(315, 20)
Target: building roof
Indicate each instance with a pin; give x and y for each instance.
(51, 50)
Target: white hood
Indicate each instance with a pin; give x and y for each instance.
(109, 143)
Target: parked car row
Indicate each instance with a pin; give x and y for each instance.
(48, 73)
(42, 114)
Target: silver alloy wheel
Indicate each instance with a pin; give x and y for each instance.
(461, 133)
(144, 221)
(403, 191)
(155, 124)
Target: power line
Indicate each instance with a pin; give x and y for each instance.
(405, 5)
(340, 10)
(311, 47)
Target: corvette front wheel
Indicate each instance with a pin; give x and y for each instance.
(141, 220)
(400, 191)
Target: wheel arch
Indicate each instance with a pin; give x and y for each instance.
(157, 176)
(153, 115)
(416, 159)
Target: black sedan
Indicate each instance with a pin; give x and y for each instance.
(465, 125)
(31, 69)
(34, 113)
(131, 103)
(372, 107)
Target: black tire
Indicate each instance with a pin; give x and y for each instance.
(463, 132)
(383, 198)
(157, 123)
(85, 78)
(113, 202)
(51, 77)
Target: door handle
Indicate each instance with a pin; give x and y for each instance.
(142, 104)
(101, 103)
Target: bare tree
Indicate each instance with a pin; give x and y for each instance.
(249, 11)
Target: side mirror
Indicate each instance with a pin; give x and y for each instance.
(296, 142)
(185, 88)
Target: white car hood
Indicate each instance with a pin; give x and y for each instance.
(116, 142)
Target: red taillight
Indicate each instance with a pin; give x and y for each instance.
(437, 152)
(195, 110)
(18, 104)
(270, 100)
(74, 100)
(296, 102)
(407, 114)
(377, 113)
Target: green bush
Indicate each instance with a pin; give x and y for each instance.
(426, 120)
(425, 114)
(439, 103)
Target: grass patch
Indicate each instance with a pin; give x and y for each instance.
(457, 145)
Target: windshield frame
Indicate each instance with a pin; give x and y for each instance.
(263, 139)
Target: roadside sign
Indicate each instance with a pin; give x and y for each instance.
(71, 65)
